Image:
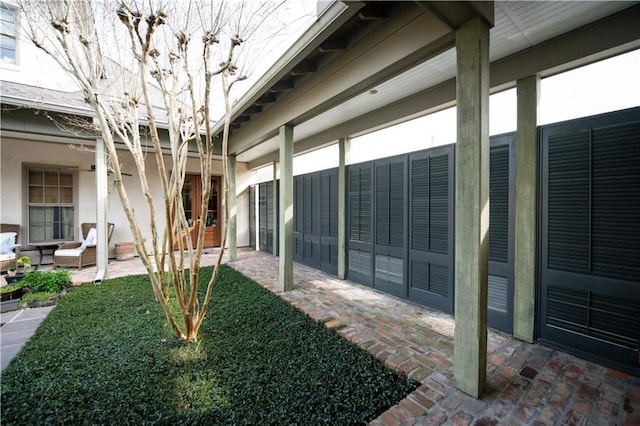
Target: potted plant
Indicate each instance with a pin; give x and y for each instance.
(11, 271)
(25, 262)
(11, 292)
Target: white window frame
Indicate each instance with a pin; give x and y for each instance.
(69, 236)
(16, 27)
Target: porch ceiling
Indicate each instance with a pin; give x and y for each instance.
(391, 86)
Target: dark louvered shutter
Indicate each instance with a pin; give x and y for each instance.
(568, 208)
(396, 204)
(354, 204)
(382, 204)
(263, 197)
(311, 183)
(439, 199)
(360, 216)
(501, 238)
(615, 202)
(499, 204)
(590, 284)
(252, 216)
(360, 204)
(390, 204)
(270, 208)
(298, 204)
(329, 221)
(430, 191)
(298, 219)
(420, 204)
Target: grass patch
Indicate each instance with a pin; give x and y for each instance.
(105, 355)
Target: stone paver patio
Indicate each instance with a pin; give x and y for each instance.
(527, 383)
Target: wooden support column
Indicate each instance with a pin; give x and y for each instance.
(471, 207)
(231, 200)
(344, 147)
(526, 207)
(286, 208)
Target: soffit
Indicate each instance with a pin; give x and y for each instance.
(518, 26)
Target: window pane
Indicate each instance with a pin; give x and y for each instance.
(8, 48)
(36, 233)
(8, 28)
(66, 179)
(51, 194)
(35, 177)
(67, 223)
(49, 214)
(6, 14)
(36, 194)
(66, 195)
(36, 215)
(51, 178)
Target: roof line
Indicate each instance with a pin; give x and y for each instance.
(332, 17)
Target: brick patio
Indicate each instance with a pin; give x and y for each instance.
(527, 383)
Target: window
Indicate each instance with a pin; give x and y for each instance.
(8, 34)
(50, 204)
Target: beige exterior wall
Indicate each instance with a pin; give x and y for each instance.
(16, 154)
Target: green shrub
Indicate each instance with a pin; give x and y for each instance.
(12, 287)
(50, 281)
(37, 297)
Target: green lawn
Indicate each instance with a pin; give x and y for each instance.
(105, 355)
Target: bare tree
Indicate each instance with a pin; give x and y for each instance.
(176, 60)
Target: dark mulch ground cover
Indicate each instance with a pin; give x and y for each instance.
(105, 355)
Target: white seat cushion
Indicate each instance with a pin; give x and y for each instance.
(74, 252)
(7, 242)
(7, 256)
(92, 236)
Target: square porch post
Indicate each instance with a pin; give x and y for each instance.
(526, 207)
(102, 196)
(471, 207)
(344, 145)
(286, 208)
(231, 200)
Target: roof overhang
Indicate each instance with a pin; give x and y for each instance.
(390, 62)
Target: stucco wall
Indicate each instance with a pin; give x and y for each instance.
(15, 154)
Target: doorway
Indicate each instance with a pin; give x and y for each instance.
(192, 203)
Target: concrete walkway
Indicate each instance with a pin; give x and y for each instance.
(528, 384)
(18, 327)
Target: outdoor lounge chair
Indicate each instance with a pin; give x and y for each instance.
(9, 249)
(83, 253)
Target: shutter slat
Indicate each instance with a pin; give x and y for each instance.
(396, 204)
(499, 204)
(420, 204)
(568, 202)
(382, 205)
(616, 201)
(439, 204)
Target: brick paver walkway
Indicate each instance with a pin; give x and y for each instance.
(527, 383)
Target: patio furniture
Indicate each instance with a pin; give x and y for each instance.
(9, 248)
(83, 253)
